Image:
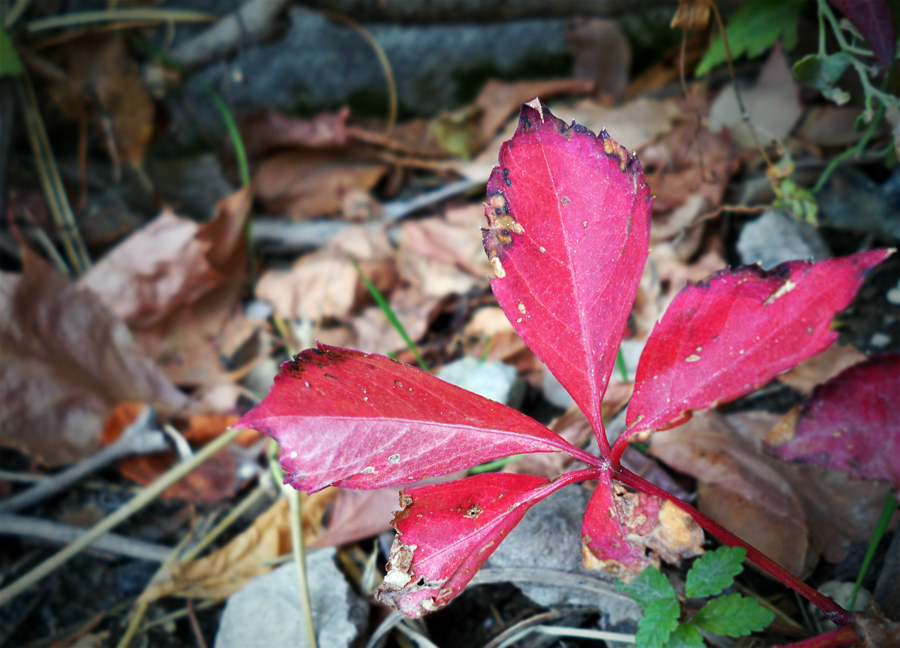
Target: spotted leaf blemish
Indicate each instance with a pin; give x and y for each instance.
(394, 459)
(521, 308)
(368, 470)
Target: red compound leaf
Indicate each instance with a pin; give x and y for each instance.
(874, 21)
(351, 419)
(850, 423)
(623, 533)
(568, 229)
(722, 339)
(446, 532)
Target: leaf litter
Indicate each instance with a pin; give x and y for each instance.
(168, 305)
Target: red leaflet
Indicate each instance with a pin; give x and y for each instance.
(623, 533)
(446, 532)
(568, 228)
(722, 339)
(850, 423)
(351, 419)
(874, 21)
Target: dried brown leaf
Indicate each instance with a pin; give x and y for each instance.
(67, 361)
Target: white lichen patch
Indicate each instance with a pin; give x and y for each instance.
(499, 272)
(781, 292)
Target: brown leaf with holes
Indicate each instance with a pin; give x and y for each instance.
(67, 361)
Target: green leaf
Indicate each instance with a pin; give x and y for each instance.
(651, 586)
(685, 636)
(659, 621)
(820, 72)
(733, 616)
(10, 63)
(753, 29)
(714, 571)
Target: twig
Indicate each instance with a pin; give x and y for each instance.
(516, 628)
(578, 633)
(16, 12)
(382, 60)
(195, 625)
(146, 13)
(416, 637)
(251, 21)
(137, 615)
(300, 560)
(60, 533)
(177, 614)
(142, 499)
(223, 525)
(55, 192)
(138, 438)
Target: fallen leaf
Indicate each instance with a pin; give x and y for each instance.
(156, 270)
(106, 82)
(67, 361)
(304, 185)
(228, 569)
(325, 283)
(773, 105)
(572, 426)
(269, 129)
(499, 100)
(413, 308)
(821, 367)
(215, 479)
(874, 21)
(191, 342)
(601, 53)
(848, 424)
(358, 514)
(739, 489)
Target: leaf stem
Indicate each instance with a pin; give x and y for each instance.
(832, 610)
(843, 636)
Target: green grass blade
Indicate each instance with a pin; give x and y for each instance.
(392, 317)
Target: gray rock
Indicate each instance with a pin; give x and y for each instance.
(776, 237)
(266, 613)
(320, 64)
(549, 537)
(494, 379)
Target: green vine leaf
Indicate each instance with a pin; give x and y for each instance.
(685, 636)
(733, 616)
(752, 30)
(714, 571)
(648, 588)
(658, 623)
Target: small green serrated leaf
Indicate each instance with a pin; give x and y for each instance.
(651, 586)
(10, 63)
(659, 621)
(733, 616)
(753, 29)
(714, 571)
(685, 636)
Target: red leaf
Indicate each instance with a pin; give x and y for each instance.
(850, 423)
(350, 419)
(722, 339)
(874, 21)
(568, 230)
(619, 528)
(446, 532)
